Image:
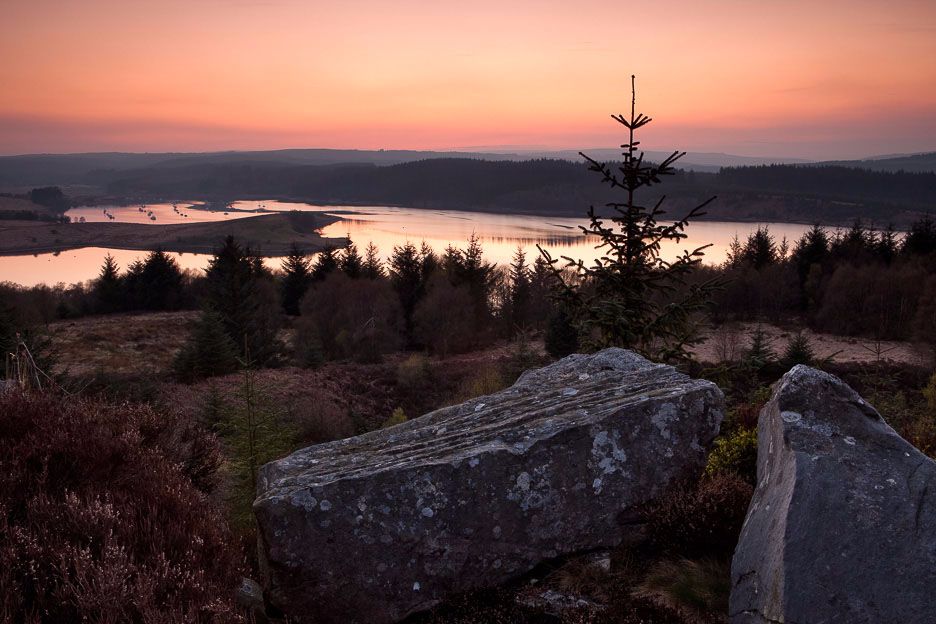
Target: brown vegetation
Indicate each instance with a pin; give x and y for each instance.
(105, 517)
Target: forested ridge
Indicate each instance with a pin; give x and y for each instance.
(834, 194)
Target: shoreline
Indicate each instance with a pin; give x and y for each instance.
(203, 205)
(270, 235)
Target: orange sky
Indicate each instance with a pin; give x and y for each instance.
(760, 77)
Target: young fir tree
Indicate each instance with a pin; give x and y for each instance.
(760, 353)
(632, 297)
(108, 288)
(799, 351)
(373, 266)
(254, 434)
(297, 277)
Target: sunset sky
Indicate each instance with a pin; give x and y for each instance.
(831, 79)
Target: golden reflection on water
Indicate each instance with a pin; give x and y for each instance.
(385, 226)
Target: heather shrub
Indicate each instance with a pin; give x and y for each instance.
(735, 453)
(320, 419)
(414, 374)
(700, 520)
(398, 417)
(101, 520)
(929, 393)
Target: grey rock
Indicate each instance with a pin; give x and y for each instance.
(842, 526)
(250, 598)
(376, 527)
(558, 603)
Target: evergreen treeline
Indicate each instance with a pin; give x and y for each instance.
(856, 282)
(352, 306)
(833, 182)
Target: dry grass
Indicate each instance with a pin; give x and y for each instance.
(131, 344)
(697, 591)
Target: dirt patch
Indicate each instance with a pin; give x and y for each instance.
(729, 342)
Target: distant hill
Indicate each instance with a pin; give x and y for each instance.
(910, 162)
(18, 172)
(693, 161)
(882, 191)
(831, 194)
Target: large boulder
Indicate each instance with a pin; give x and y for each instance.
(842, 526)
(373, 528)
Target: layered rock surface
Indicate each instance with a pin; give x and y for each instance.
(842, 526)
(373, 528)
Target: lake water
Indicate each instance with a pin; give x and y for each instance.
(385, 226)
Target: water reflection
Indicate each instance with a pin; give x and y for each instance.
(385, 226)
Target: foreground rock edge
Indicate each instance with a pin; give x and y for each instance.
(842, 525)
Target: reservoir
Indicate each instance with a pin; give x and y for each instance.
(385, 226)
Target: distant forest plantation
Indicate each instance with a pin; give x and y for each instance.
(833, 194)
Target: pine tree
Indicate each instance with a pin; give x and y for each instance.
(887, 244)
(520, 291)
(407, 275)
(108, 287)
(326, 263)
(246, 300)
(133, 286)
(350, 261)
(8, 338)
(428, 261)
(561, 336)
(160, 282)
(735, 255)
(631, 297)
(760, 249)
(297, 276)
(921, 239)
(373, 266)
(228, 286)
(542, 280)
(208, 352)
